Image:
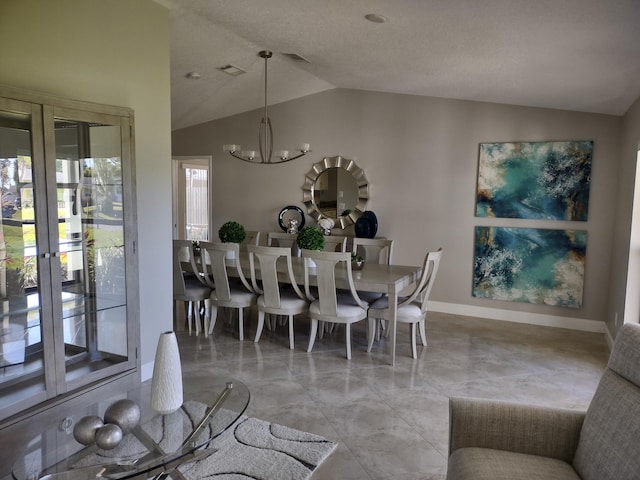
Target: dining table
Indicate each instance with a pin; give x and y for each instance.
(390, 280)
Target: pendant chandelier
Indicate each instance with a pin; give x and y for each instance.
(265, 135)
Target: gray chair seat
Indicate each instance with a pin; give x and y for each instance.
(239, 298)
(489, 464)
(289, 302)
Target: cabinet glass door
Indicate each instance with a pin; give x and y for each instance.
(23, 333)
(90, 220)
(66, 230)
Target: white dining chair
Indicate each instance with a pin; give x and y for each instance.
(374, 250)
(411, 309)
(273, 299)
(187, 285)
(378, 251)
(234, 295)
(332, 305)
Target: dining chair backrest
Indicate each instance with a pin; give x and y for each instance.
(282, 239)
(335, 243)
(325, 272)
(183, 261)
(252, 238)
(425, 284)
(267, 259)
(214, 264)
(374, 250)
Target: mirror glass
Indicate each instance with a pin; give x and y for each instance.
(336, 188)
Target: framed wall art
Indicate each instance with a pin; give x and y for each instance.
(533, 265)
(534, 180)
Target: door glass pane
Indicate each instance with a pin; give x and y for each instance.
(91, 245)
(197, 202)
(21, 351)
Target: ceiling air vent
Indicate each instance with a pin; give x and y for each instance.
(232, 70)
(296, 58)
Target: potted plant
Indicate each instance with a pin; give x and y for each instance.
(311, 238)
(357, 262)
(196, 247)
(232, 232)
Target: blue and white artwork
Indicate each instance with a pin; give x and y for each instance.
(533, 265)
(534, 180)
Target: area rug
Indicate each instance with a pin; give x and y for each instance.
(257, 449)
(250, 449)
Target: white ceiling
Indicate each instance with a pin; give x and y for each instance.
(581, 55)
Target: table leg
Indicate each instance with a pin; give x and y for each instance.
(393, 312)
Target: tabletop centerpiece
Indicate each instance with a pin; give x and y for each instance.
(232, 232)
(311, 238)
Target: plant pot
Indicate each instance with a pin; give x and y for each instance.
(357, 264)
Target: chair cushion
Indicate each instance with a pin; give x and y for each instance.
(408, 313)
(610, 438)
(194, 290)
(488, 464)
(347, 311)
(289, 302)
(238, 298)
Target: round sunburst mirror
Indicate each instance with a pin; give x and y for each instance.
(336, 188)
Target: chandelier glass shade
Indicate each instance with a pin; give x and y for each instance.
(265, 135)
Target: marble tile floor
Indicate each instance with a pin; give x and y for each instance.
(392, 422)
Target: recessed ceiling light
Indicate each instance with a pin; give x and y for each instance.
(232, 70)
(193, 76)
(375, 18)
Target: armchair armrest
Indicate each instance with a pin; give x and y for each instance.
(534, 430)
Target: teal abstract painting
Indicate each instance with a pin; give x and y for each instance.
(534, 180)
(533, 265)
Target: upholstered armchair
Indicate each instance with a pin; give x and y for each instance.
(498, 441)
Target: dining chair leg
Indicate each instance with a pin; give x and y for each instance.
(241, 323)
(372, 328)
(207, 313)
(189, 314)
(312, 335)
(347, 329)
(196, 314)
(414, 353)
(214, 316)
(291, 332)
(423, 333)
(261, 315)
(321, 328)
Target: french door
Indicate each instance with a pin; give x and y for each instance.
(66, 251)
(191, 200)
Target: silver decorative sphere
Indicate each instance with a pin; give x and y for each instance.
(109, 436)
(124, 413)
(85, 430)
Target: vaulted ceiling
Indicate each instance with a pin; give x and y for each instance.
(581, 55)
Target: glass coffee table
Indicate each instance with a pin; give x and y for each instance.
(153, 449)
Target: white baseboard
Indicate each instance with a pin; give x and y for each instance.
(146, 371)
(520, 317)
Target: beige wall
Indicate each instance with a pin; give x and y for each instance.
(620, 248)
(420, 156)
(111, 52)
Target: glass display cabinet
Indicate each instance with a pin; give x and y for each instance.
(68, 268)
